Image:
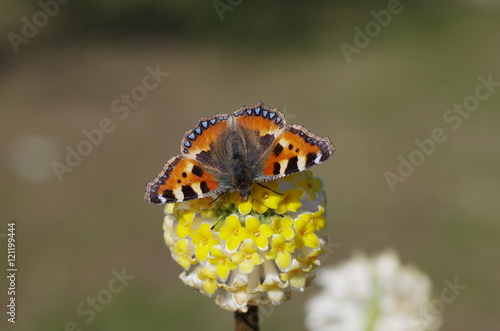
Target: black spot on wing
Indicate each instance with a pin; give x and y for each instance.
(189, 193)
(197, 171)
(277, 168)
(169, 196)
(310, 159)
(155, 199)
(292, 166)
(204, 187)
(277, 149)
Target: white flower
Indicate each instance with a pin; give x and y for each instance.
(377, 294)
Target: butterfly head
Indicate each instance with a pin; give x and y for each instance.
(244, 193)
(242, 181)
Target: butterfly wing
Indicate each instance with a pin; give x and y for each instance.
(214, 140)
(295, 149)
(260, 125)
(181, 179)
(200, 142)
(210, 149)
(261, 119)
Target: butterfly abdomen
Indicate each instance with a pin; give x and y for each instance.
(240, 167)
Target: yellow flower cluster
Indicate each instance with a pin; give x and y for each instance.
(253, 252)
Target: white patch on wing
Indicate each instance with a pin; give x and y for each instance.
(301, 163)
(283, 165)
(197, 188)
(193, 152)
(318, 158)
(284, 143)
(178, 194)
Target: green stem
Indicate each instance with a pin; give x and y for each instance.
(373, 311)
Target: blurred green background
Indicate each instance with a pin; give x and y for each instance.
(63, 77)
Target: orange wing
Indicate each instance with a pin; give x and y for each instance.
(296, 149)
(261, 119)
(208, 130)
(207, 141)
(181, 179)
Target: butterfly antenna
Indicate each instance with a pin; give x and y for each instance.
(260, 203)
(218, 197)
(213, 226)
(238, 198)
(270, 189)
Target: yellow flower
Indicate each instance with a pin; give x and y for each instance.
(183, 256)
(283, 226)
(169, 208)
(258, 232)
(317, 218)
(247, 257)
(205, 207)
(204, 241)
(264, 198)
(209, 279)
(312, 185)
(221, 262)
(185, 221)
(305, 233)
(290, 201)
(244, 207)
(296, 276)
(233, 233)
(202, 204)
(311, 260)
(249, 253)
(280, 252)
(274, 288)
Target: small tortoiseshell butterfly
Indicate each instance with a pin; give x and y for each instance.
(233, 151)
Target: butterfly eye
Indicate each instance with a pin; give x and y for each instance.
(236, 156)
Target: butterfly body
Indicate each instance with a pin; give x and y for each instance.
(233, 151)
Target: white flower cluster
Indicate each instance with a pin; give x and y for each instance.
(376, 294)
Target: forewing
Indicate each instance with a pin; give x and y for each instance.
(294, 150)
(261, 122)
(198, 143)
(181, 179)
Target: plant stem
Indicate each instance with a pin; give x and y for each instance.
(248, 321)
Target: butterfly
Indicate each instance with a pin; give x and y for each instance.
(228, 152)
